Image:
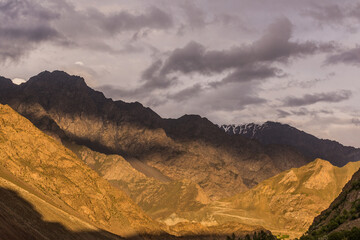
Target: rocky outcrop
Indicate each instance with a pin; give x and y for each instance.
(341, 216)
(54, 171)
(190, 147)
(290, 200)
(157, 198)
(309, 145)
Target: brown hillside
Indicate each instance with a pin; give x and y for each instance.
(55, 171)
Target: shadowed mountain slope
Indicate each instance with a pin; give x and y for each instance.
(190, 147)
(290, 200)
(157, 198)
(286, 203)
(56, 172)
(342, 215)
(20, 218)
(309, 145)
(47, 192)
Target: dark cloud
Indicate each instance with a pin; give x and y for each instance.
(349, 56)
(301, 112)
(355, 11)
(282, 113)
(245, 63)
(186, 93)
(231, 97)
(195, 16)
(252, 72)
(344, 14)
(329, 14)
(309, 99)
(305, 84)
(356, 121)
(306, 112)
(114, 23)
(24, 24)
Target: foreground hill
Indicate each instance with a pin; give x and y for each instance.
(342, 219)
(190, 147)
(309, 145)
(47, 192)
(54, 171)
(159, 197)
(286, 203)
(24, 214)
(290, 200)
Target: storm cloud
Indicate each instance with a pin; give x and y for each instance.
(246, 63)
(309, 99)
(24, 24)
(234, 62)
(349, 56)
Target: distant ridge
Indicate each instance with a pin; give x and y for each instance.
(190, 147)
(341, 220)
(309, 145)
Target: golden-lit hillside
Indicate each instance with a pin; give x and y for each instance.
(290, 200)
(157, 196)
(47, 166)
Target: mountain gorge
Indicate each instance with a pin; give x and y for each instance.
(286, 203)
(341, 220)
(190, 147)
(30, 156)
(119, 168)
(47, 192)
(310, 146)
(157, 196)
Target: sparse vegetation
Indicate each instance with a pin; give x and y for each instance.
(256, 236)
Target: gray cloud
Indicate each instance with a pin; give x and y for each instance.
(153, 18)
(349, 56)
(329, 14)
(302, 112)
(309, 99)
(306, 112)
(356, 121)
(305, 84)
(24, 24)
(282, 113)
(245, 63)
(252, 72)
(334, 14)
(196, 18)
(231, 97)
(186, 93)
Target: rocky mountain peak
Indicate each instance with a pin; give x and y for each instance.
(57, 102)
(57, 78)
(5, 83)
(309, 145)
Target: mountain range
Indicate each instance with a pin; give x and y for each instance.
(190, 147)
(47, 192)
(82, 166)
(310, 146)
(341, 220)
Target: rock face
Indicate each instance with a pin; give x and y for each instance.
(54, 171)
(190, 147)
(157, 198)
(289, 201)
(310, 146)
(24, 214)
(47, 192)
(342, 215)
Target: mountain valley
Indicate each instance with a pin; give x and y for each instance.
(103, 169)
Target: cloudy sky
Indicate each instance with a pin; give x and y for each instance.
(232, 61)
